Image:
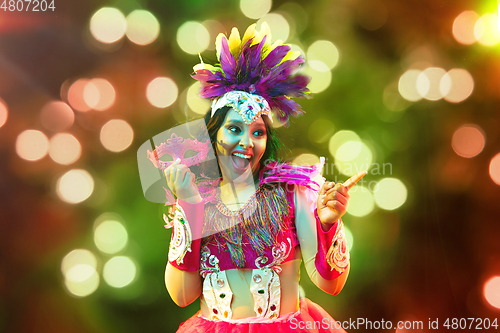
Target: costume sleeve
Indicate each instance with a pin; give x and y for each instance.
(184, 251)
(325, 254)
(332, 257)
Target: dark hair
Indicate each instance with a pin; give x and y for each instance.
(273, 144)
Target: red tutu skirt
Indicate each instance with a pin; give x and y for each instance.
(310, 318)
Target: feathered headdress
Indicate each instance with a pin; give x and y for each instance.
(252, 67)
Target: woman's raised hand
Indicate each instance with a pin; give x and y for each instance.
(332, 202)
(180, 180)
(333, 199)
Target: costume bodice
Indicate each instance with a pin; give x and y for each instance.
(263, 237)
(264, 234)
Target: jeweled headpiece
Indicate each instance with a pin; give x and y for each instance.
(253, 76)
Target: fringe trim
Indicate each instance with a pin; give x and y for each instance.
(260, 221)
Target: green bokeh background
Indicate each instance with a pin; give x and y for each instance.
(428, 259)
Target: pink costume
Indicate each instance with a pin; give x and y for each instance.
(264, 239)
(256, 78)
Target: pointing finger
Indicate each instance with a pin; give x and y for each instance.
(354, 179)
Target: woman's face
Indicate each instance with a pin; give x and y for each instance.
(240, 146)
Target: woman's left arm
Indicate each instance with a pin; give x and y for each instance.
(322, 241)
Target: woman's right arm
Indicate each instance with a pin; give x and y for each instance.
(182, 275)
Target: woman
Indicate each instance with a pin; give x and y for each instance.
(241, 251)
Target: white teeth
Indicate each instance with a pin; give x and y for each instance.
(242, 155)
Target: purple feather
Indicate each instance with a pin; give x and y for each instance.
(227, 62)
(294, 86)
(255, 54)
(212, 91)
(243, 60)
(204, 75)
(274, 81)
(274, 57)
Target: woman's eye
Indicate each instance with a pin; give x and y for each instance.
(234, 129)
(258, 133)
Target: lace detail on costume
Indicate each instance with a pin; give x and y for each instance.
(338, 253)
(265, 284)
(280, 253)
(181, 237)
(218, 295)
(266, 292)
(216, 289)
(209, 263)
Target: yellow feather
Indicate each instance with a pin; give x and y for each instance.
(292, 55)
(249, 33)
(206, 66)
(218, 44)
(264, 31)
(269, 49)
(235, 42)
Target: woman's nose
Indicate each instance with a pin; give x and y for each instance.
(246, 141)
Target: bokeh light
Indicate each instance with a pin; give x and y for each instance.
(162, 92)
(463, 27)
(349, 237)
(64, 148)
(193, 37)
(456, 85)
(142, 27)
(306, 159)
(468, 140)
(116, 135)
(390, 193)
(348, 151)
(110, 236)
(321, 130)
(75, 95)
(78, 257)
(491, 291)
(57, 116)
(81, 280)
(392, 99)
(195, 102)
(214, 28)
(4, 112)
(255, 9)
(407, 85)
(353, 157)
(75, 186)
(79, 270)
(486, 30)
(320, 79)
(495, 169)
(108, 25)
(339, 138)
(119, 271)
(323, 51)
(361, 202)
(99, 94)
(32, 145)
(429, 83)
(278, 25)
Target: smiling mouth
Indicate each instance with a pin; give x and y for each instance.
(240, 161)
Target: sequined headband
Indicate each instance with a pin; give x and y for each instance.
(248, 106)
